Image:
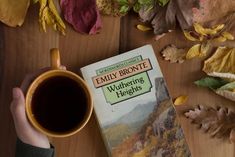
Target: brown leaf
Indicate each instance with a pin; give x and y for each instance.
(165, 18)
(173, 54)
(12, 12)
(212, 9)
(217, 122)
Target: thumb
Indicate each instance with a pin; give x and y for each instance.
(18, 107)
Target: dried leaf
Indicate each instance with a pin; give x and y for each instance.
(194, 51)
(221, 63)
(180, 100)
(143, 28)
(211, 82)
(190, 37)
(108, 7)
(226, 93)
(205, 47)
(173, 54)
(166, 18)
(162, 3)
(12, 12)
(204, 31)
(83, 15)
(218, 27)
(49, 15)
(220, 39)
(228, 35)
(229, 86)
(216, 122)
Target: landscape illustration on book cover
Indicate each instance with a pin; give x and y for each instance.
(133, 106)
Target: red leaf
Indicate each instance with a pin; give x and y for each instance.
(83, 15)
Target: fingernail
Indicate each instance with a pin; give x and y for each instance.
(15, 93)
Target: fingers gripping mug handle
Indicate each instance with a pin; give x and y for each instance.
(55, 58)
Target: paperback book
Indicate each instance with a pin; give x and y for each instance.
(133, 107)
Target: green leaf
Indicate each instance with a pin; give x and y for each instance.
(136, 7)
(228, 86)
(124, 9)
(123, 2)
(211, 82)
(145, 2)
(34, 1)
(162, 3)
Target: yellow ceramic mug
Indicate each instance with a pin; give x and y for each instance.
(58, 102)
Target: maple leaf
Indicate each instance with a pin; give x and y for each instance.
(218, 123)
(173, 54)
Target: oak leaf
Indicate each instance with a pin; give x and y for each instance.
(173, 54)
(218, 123)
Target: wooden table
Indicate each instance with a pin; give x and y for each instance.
(26, 49)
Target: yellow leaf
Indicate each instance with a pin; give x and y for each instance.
(205, 47)
(204, 31)
(220, 39)
(218, 27)
(180, 100)
(12, 12)
(189, 36)
(233, 90)
(49, 15)
(221, 63)
(228, 35)
(193, 51)
(143, 28)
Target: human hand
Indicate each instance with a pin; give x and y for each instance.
(24, 130)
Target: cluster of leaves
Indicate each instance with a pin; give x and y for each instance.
(221, 66)
(205, 36)
(136, 5)
(49, 15)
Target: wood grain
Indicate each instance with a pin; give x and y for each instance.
(26, 49)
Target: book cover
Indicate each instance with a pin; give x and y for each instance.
(133, 107)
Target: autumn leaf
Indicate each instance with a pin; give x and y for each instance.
(162, 3)
(211, 82)
(173, 54)
(166, 18)
(228, 35)
(190, 37)
(227, 94)
(205, 31)
(83, 15)
(180, 100)
(194, 51)
(48, 15)
(12, 12)
(108, 7)
(143, 28)
(219, 86)
(216, 122)
(221, 63)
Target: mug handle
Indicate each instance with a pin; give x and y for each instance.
(55, 58)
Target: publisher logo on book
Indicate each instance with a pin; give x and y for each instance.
(124, 80)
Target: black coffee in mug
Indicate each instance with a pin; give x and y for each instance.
(59, 104)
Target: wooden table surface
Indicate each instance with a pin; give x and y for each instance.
(26, 49)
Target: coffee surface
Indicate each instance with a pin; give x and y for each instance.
(59, 104)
